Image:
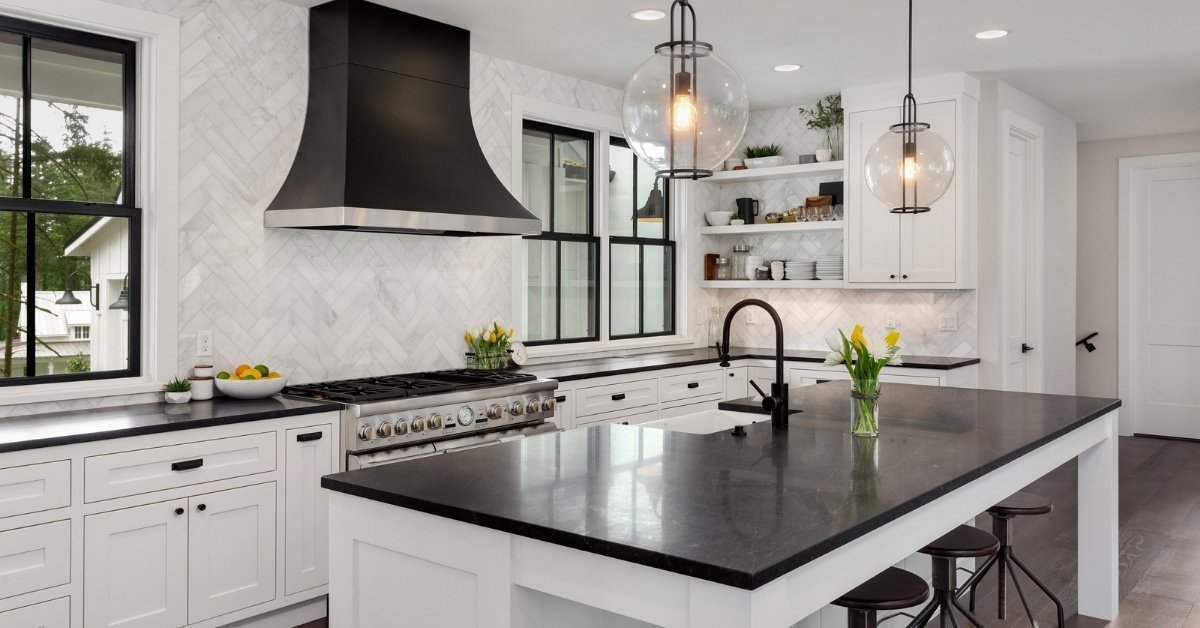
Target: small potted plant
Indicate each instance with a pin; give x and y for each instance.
(177, 391)
(764, 156)
(827, 116)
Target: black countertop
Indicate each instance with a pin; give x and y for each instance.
(602, 367)
(738, 511)
(80, 426)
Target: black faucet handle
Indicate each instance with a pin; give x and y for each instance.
(723, 354)
(754, 385)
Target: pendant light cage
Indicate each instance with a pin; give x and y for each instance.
(685, 110)
(910, 166)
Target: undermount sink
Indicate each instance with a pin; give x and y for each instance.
(705, 422)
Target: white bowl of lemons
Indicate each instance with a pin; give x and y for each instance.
(250, 382)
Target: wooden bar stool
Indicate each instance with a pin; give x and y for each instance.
(1018, 505)
(891, 590)
(961, 542)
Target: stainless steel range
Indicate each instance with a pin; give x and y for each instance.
(401, 417)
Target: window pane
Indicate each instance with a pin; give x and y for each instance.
(572, 189)
(541, 275)
(77, 122)
(620, 190)
(12, 294)
(10, 115)
(535, 158)
(624, 290)
(578, 290)
(657, 289)
(91, 257)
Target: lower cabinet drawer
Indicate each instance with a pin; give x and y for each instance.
(159, 468)
(691, 386)
(623, 418)
(34, 558)
(52, 614)
(35, 487)
(615, 397)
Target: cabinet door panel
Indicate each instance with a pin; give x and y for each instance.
(872, 230)
(52, 614)
(231, 550)
(35, 557)
(928, 241)
(306, 524)
(135, 567)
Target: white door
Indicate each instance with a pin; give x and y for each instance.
(1021, 259)
(927, 241)
(231, 550)
(872, 230)
(135, 567)
(306, 522)
(1161, 200)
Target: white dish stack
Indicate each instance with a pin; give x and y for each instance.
(804, 270)
(830, 267)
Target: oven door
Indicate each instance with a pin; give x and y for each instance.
(376, 458)
(476, 441)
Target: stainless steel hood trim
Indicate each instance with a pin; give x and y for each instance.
(397, 221)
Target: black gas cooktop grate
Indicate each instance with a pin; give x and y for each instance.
(400, 386)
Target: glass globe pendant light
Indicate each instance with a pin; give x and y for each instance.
(910, 166)
(684, 110)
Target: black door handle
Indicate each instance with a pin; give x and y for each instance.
(618, 397)
(561, 399)
(178, 511)
(201, 507)
(185, 465)
(892, 276)
(1025, 348)
(693, 384)
(304, 438)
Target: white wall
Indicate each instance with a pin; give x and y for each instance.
(1097, 257)
(1059, 228)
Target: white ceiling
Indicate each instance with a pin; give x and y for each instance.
(1120, 68)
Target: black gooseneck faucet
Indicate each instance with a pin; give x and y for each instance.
(777, 402)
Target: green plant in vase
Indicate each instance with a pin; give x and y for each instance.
(827, 115)
(864, 362)
(489, 346)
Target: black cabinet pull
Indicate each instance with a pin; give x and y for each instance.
(732, 375)
(892, 276)
(904, 276)
(618, 397)
(624, 422)
(823, 381)
(561, 399)
(693, 384)
(201, 507)
(185, 465)
(178, 511)
(304, 438)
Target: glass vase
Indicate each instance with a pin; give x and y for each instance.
(864, 409)
(491, 359)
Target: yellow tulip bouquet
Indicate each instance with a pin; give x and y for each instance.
(864, 362)
(489, 346)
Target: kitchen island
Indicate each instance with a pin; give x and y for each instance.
(621, 525)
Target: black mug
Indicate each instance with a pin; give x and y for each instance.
(747, 209)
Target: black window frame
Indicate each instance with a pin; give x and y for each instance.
(32, 207)
(642, 242)
(558, 238)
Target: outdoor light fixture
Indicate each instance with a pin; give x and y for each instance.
(69, 298)
(122, 302)
(655, 208)
(910, 166)
(684, 110)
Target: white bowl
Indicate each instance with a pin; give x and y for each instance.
(251, 388)
(718, 218)
(764, 162)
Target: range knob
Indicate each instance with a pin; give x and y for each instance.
(417, 425)
(366, 432)
(384, 430)
(435, 421)
(401, 427)
(516, 408)
(495, 412)
(534, 406)
(548, 404)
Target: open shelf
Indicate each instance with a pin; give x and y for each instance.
(768, 284)
(777, 172)
(781, 227)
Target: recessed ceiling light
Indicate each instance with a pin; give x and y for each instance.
(788, 67)
(992, 33)
(648, 15)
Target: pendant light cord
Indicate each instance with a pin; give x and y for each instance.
(910, 45)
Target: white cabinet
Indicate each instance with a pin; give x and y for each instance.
(231, 550)
(736, 382)
(34, 558)
(564, 409)
(810, 376)
(35, 487)
(308, 456)
(763, 376)
(51, 614)
(135, 567)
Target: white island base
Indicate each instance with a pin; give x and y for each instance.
(391, 566)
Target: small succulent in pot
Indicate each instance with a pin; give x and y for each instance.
(177, 391)
(765, 150)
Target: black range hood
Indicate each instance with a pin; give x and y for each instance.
(388, 143)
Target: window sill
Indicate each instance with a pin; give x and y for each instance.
(574, 349)
(41, 393)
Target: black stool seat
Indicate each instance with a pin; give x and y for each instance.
(963, 542)
(893, 589)
(1022, 504)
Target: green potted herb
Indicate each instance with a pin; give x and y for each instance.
(763, 156)
(177, 391)
(827, 116)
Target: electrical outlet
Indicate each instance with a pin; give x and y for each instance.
(889, 320)
(749, 313)
(948, 321)
(204, 345)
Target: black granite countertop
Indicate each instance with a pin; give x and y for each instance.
(603, 367)
(79, 426)
(738, 511)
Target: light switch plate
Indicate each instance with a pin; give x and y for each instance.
(204, 343)
(889, 320)
(948, 321)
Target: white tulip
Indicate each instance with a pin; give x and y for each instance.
(834, 357)
(835, 343)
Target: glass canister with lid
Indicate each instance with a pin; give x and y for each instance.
(740, 252)
(723, 268)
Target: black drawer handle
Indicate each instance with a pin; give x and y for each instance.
(561, 399)
(823, 381)
(618, 397)
(178, 511)
(186, 465)
(201, 507)
(694, 385)
(304, 438)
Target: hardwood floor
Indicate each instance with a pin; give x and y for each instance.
(1159, 538)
